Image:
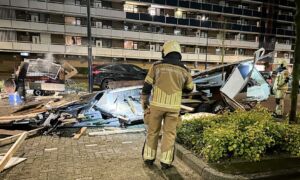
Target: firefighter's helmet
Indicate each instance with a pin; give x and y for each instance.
(283, 63)
(171, 46)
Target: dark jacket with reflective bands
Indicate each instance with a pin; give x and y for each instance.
(167, 80)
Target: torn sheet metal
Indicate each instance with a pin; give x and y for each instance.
(246, 79)
(123, 102)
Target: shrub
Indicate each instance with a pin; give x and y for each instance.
(241, 134)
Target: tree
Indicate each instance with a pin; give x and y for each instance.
(296, 68)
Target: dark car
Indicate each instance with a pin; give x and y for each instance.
(106, 73)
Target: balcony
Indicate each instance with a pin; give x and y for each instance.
(121, 15)
(121, 34)
(110, 52)
(283, 47)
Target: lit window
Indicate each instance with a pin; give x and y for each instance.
(128, 44)
(129, 8)
(178, 14)
(152, 11)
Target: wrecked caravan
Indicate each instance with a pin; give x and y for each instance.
(231, 86)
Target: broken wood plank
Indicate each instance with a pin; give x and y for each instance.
(122, 118)
(81, 132)
(103, 133)
(13, 161)
(10, 132)
(48, 97)
(18, 117)
(12, 150)
(186, 108)
(11, 139)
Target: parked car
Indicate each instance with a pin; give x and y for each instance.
(103, 74)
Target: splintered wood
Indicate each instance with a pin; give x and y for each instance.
(80, 133)
(12, 150)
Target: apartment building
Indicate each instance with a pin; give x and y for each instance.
(134, 31)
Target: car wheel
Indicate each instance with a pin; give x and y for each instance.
(38, 92)
(105, 83)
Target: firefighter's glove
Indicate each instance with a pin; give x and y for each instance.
(287, 80)
(145, 101)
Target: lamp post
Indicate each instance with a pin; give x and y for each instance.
(206, 49)
(296, 68)
(90, 58)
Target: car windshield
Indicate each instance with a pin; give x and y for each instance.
(133, 68)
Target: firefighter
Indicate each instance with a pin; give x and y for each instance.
(280, 88)
(166, 80)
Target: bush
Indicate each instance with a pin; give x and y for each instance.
(241, 134)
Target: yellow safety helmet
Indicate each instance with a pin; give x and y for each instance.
(171, 46)
(283, 63)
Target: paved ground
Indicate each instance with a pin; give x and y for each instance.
(102, 157)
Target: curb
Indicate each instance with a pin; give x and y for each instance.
(208, 173)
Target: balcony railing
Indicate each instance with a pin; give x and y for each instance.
(224, 9)
(122, 34)
(119, 14)
(110, 52)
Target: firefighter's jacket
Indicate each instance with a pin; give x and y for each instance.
(280, 86)
(167, 80)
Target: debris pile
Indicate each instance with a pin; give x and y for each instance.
(110, 108)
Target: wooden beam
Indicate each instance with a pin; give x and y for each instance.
(11, 139)
(80, 133)
(10, 132)
(12, 150)
(186, 108)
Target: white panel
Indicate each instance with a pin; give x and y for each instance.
(283, 47)
(93, 11)
(147, 36)
(6, 45)
(145, 54)
(55, 7)
(117, 33)
(156, 55)
(104, 32)
(37, 4)
(131, 34)
(57, 48)
(38, 26)
(19, 3)
(117, 52)
(22, 46)
(111, 13)
(76, 49)
(73, 29)
(72, 8)
(84, 30)
(214, 58)
(216, 42)
(5, 23)
(131, 53)
(233, 84)
(83, 10)
(56, 28)
(45, 38)
(20, 24)
(159, 37)
(118, 14)
(40, 47)
(4, 2)
(193, 57)
(103, 51)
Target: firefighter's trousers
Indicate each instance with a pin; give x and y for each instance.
(279, 96)
(279, 106)
(153, 119)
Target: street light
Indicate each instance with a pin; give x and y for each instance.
(90, 58)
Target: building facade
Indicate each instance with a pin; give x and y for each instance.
(134, 31)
